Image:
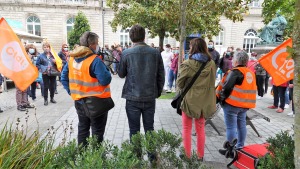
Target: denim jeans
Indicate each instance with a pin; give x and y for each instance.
(85, 123)
(235, 121)
(172, 78)
(33, 90)
(135, 110)
(279, 94)
(287, 97)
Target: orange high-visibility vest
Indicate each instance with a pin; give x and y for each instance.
(82, 84)
(243, 95)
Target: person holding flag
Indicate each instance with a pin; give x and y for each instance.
(46, 64)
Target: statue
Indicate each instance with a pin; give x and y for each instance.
(273, 32)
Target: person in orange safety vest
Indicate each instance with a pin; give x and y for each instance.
(237, 94)
(87, 79)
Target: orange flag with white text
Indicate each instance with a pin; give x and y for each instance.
(14, 61)
(57, 59)
(277, 65)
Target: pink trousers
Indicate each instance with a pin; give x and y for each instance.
(187, 134)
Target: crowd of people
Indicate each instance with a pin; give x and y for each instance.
(149, 72)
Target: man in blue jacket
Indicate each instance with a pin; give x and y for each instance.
(144, 71)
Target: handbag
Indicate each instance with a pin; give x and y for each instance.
(95, 106)
(176, 102)
(53, 71)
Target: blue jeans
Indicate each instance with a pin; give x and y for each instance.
(287, 98)
(135, 110)
(235, 121)
(172, 78)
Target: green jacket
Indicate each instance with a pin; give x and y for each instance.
(201, 98)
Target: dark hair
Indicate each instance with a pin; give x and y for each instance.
(198, 45)
(27, 47)
(88, 38)
(211, 41)
(137, 33)
(168, 45)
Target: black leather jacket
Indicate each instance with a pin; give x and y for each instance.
(234, 77)
(144, 71)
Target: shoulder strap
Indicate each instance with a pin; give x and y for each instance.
(185, 90)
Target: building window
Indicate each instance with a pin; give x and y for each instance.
(74, 1)
(34, 25)
(255, 3)
(124, 37)
(70, 24)
(220, 38)
(250, 40)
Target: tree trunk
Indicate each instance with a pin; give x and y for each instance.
(296, 94)
(182, 30)
(161, 36)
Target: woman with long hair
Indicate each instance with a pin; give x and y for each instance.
(200, 100)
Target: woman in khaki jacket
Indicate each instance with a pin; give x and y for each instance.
(200, 100)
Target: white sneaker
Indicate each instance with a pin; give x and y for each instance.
(286, 106)
(258, 98)
(169, 91)
(290, 114)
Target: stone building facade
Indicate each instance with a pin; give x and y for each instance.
(52, 19)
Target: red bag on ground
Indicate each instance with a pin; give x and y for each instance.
(248, 157)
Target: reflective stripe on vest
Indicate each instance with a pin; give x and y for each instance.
(243, 95)
(82, 84)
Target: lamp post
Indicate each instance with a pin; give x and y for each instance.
(103, 12)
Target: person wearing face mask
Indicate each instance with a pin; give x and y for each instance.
(64, 56)
(86, 78)
(226, 60)
(33, 55)
(45, 63)
(215, 54)
(167, 57)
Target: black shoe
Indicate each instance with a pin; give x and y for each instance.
(29, 106)
(222, 151)
(56, 92)
(1, 110)
(226, 153)
(21, 108)
(52, 101)
(46, 102)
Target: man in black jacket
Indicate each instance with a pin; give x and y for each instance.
(144, 71)
(215, 54)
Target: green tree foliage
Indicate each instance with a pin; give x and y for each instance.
(162, 17)
(80, 26)
(285, 7)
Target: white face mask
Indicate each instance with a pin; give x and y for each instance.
(31, 51)
(66, 49)
(168, 49)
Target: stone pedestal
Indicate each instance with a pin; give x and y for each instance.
(263, 49)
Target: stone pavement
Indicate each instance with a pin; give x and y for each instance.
(62, 117)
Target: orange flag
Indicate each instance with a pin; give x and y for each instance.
(14, 61)
(277, 65)
(57, 59)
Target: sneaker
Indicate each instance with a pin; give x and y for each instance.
(21, 108)
(272, 107)
(286, 106)
(56, 92)
(279, 110)
(291, 114)
(169, 91)
(258, 98)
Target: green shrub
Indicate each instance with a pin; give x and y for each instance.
(281, 149)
